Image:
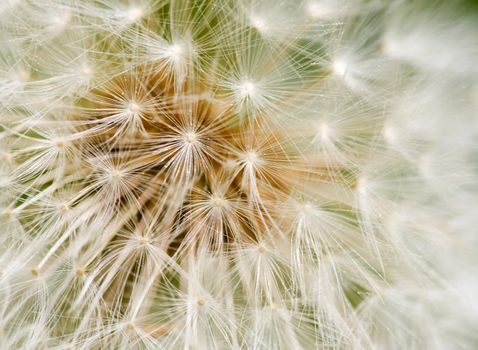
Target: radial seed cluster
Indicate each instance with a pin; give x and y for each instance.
(252, 174)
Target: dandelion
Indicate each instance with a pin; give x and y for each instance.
(179, 174)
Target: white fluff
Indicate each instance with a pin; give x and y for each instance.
(179, 174)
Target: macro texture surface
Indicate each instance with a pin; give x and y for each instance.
(238, 174)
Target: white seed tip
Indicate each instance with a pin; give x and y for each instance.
(80, 271)
(190, 137)
(134, 107)
(247, 88)
(134, 13)
(218, 202)
(339, 67)
(258, 23)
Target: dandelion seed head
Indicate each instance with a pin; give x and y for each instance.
(237, 174)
